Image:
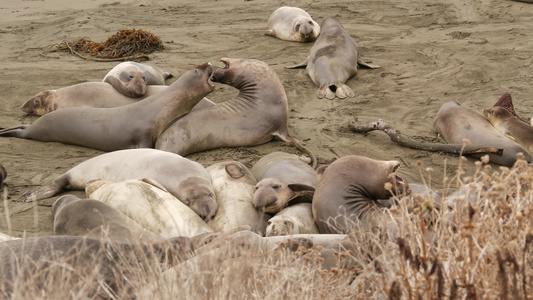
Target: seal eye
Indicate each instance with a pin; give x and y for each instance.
(195, 71)
(310, 23)
(297, 27)
(37, 102)
(131, 76)
(210, 195)
(276, 186)
(269, 222)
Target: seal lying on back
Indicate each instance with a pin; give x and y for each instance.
(507, 124)
(332, 60)
(185, 179)
(234, 187)
(131, 78)
(135, 125)
(255, 116)
(456, 123)
(347, 193)
(95, 219)
(282, 177)
(292, 24)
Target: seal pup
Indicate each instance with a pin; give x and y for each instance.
(292, 24)
(332, 60)
(282, 178)
(234, 187)
(136, 125)
(131, 78)
(347, 194)
(185, 179)
(456, 123)
(150, 205)
(294, 219)
(255, 116)
(95, 219)
(507, 124)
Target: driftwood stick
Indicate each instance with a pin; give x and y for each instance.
(397, 137)
(125, 58)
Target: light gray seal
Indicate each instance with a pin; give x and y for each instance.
(456, 123)
(131, 78)
(283, 178)
(95, 219)
(332, 60)
(292, 24)
(348, 193)
(507, 124)
(294, 219)
(135, 125)
(255, 116)
(185, 179)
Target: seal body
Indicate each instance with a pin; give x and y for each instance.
(185, 179)
(150, 206)
(131, 78)
(294, 219)
(456, 123)
(507, 124)
(234, 187)
(136, 125)
(282, 177)
(332, 60)
(347, 193)
(255, 116)
(95, 219)
(292, 24)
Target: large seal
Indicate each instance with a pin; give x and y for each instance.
(135, 125)
(150, 205)
(95, 219)
(506, 123)
(255, 116)
(282, 177)
(234, 187)
(185, 179)
(292, 24)
(332, 60)
(87, 94)
(294, 219)
(130, 78)
(456, 123)
(347, 193)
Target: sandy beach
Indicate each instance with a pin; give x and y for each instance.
(429, 52)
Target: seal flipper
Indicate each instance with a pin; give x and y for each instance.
(344, 91)
(300, 65)
(270, 32)
(17, 131)
(46, 191)
(363, 64)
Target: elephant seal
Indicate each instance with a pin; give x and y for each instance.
(282, 178)
(347, 193)
(255, 116)
(95, 219)
(456, 123)
(185, 179)
(294, 219)
(292, 24)
(131, 78)
(332, 60)
(234, 187)
(150, 205)
(136, 125)
(507, 124)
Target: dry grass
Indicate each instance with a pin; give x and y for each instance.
(477, 246)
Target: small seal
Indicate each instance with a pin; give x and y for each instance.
(294, 219)
(131, 78)
(507, 124)
(292, 24)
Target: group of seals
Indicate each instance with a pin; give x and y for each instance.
(136, 125)
(332, 60)
(131, 78)
(292, 24)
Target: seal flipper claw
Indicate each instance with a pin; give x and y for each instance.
(48, 190)
(344, 91)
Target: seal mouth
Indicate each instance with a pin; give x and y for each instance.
(210, 72)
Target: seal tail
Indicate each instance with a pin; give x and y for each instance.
(46, 191)
(16, 131)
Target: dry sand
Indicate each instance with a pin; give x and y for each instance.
(433, 51)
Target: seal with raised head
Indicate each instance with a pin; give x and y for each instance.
(294, 219)
(131, 78)
(136, 125)
(255, 116)
(95, 219)
(457, 123)
(234, 187)
(149, 204)
(185, 179)
(282, 178)
(292, 24)
(348, 192)
(507, 124)
(332, 60)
